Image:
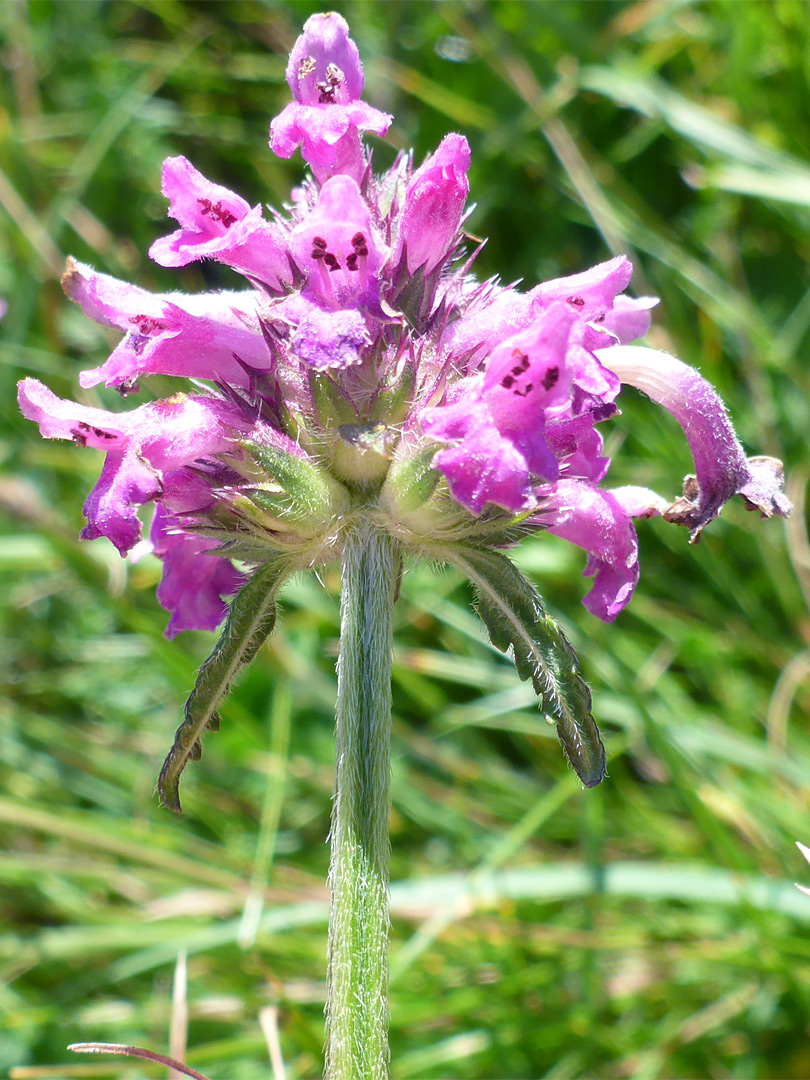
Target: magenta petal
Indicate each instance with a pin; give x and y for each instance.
(590, 293)
(591, 377)
(179, 430)
(206, 211)
(485, 468)
(326, 78)
(499, 314)
(60, 419)
(337, 247)
(319, 128)
(330, 339)
(630, 318)
(196, 336)
(596, 521)
(193, 583)
(186, 491)
(107, 300)
(329, 143)
(526, 383)
(434, 205)
(721, 467)
(218, 224)
(126, 481)
(577, 445)
(527, 372)
(323, 45)
(143, 444)
(500, 421)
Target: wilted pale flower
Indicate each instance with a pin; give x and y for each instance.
(363, 371)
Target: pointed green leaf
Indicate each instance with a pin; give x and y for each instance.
(332, 406)
(251, 619)
(392, 401)
(310, 487)
(411, 480)
(514, 615)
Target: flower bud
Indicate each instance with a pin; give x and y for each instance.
(305, 493)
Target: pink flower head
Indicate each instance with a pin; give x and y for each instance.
(362, 352)
(326, 78)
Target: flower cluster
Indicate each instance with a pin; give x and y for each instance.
(362, 370)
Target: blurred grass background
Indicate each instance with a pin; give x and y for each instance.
(648, 928)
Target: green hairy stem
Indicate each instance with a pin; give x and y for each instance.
(357, 997)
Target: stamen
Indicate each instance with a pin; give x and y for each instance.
(216, 212)
(550, 378)
(136, 342)
(524, 362)
(329, 88)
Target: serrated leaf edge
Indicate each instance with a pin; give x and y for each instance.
(457, 559)
(186, 746)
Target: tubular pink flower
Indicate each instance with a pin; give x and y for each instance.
(600, 522)
(499, 425)
(603, 316)
(326, 78)
(141, 445)
(337, 248)
(173, 334)
(194, 582)
(434, 206)
(721, 467)
(217, 224)
(593, 295)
